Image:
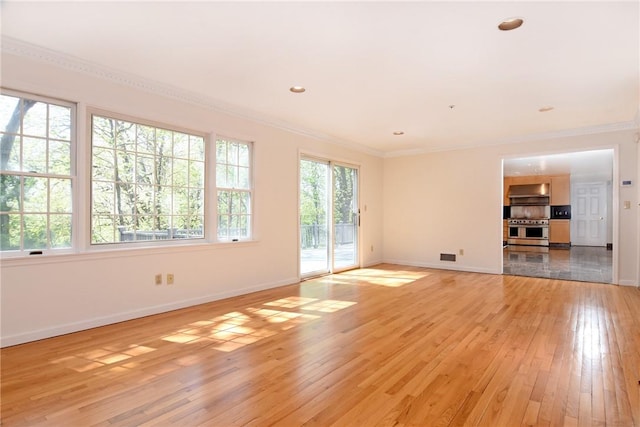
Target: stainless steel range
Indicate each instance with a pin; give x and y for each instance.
(528, 231)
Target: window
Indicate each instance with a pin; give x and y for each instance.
(36, 173)
(147, 182)
(233, 180)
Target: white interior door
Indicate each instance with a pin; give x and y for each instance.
(589, 214)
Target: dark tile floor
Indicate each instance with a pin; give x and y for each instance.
(580, 263)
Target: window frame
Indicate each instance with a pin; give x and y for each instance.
(81, 161)
(250, 190)
(72, 176)
(156, 243)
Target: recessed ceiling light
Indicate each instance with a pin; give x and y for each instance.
(510, 24)
(545, 109)
(399, 132)
(297, 89)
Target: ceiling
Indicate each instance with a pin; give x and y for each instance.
(441, 72)
(594, 165)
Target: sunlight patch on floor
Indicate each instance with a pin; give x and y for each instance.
(291, 302)
(225, 333)
(375, 276)
(100, 357)
(328, 306)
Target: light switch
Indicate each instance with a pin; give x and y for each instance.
(627, 204)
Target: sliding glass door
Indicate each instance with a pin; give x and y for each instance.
(346, 217)
(329, 217)
(314, 217)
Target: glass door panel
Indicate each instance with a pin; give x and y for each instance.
(314, 217)
(346, 217)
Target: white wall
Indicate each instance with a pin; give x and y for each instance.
(637, 185)
(416, 208)
(442, 202)
(51, 295)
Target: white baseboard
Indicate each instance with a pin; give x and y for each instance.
(372, 263)
(68, 328)
(628, 283)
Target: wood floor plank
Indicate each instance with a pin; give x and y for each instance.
(387, 345)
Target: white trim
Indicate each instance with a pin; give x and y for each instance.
(101, 253)
(593, 130)
(372, 263)
(628, 283)
(82, 202)
(27, 50)
(615, 216)
(23, 49)
(72, 176)
(210, 201)
(134, 314)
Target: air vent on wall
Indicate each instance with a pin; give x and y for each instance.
(447, 257)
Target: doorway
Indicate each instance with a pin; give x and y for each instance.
(329, 217)
(581, 243)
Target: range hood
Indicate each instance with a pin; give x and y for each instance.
(529, 195)
(529, 190)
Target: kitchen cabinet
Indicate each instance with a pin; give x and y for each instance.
(507, 183)
(522, 180)
(505, 231)
(560, 231)
(560, 195)
(560, 190)
(560, 187)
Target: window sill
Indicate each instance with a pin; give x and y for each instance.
(94, 253)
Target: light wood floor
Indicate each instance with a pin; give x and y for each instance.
(387, 345)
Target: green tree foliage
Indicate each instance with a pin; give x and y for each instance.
(35, 186)
(343, 194)
(233, 183)
(146, 180)
(314, 189)
(10, 184)
(313, 192)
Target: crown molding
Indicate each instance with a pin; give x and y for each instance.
(565, 133)
(10, 45)
(23, 49)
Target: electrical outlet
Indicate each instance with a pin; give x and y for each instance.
(371, 248)
(170, 278)
(158, 279)
(461, 251)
